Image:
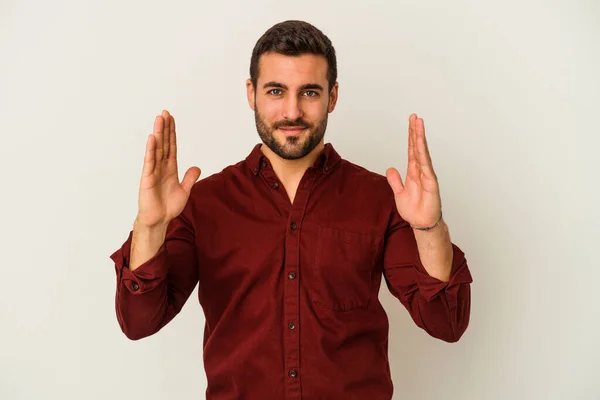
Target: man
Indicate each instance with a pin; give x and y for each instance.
(289, 246)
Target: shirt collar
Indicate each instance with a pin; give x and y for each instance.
(327, 159)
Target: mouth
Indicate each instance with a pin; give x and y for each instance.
(292, 130)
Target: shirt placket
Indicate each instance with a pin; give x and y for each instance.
(291, 282)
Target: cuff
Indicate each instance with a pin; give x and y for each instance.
(431, 287)
(147, 276)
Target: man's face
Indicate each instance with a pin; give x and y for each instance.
(291, 103)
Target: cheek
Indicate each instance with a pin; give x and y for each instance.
(315, 111)
(269, 110)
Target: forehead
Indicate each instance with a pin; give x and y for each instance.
(292, 70)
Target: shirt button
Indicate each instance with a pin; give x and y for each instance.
(293, 226)
(264, 163)
(293, 373)
(275, 185)
(135, 286)
(291, 275)
(292, 326)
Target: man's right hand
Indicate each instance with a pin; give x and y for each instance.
(161, 196)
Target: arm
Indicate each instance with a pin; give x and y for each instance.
(150, 295)
(156, 266)
(435, 251)
(423, 268)
(441, 308)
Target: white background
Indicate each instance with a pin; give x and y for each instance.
(510, 95)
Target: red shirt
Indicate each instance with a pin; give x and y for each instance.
(290, 291)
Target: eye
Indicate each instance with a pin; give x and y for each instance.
(311, 93)
(275, 92)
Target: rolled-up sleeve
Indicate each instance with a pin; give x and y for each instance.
(442, 309)
(154, 293)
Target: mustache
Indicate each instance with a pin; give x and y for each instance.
(299, 122)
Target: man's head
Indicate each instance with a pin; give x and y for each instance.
(293, 73)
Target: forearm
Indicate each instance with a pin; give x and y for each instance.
(145, 243)
(430, 277)
(435, 251)
(156, 272)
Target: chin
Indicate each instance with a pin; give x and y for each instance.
(292, 140)
(290, 151)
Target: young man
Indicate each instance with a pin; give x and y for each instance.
(289, 246)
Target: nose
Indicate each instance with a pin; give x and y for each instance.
(292, 109)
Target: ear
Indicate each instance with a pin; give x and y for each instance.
(333, 97)
(250, 93)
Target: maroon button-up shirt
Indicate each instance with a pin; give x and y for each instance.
(290, 291)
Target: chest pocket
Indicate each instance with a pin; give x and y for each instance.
(343, 269)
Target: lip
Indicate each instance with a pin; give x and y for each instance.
(292, 129)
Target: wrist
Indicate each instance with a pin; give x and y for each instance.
(428, 228)
(146, 228)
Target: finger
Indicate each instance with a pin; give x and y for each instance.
(413, 161)
(158, 136)
(411, 142)
(423, 151)
(149, 160)
(172, 141)
(394, 179)
(190, 177)
(166, 133)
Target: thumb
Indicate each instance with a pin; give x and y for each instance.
(190, 177)
(394, 179)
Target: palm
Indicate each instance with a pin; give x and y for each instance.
(418, 199)
(161, 196)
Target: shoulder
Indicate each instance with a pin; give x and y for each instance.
(364, 179)
(215, 183)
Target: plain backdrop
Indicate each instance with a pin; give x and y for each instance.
(510, 95)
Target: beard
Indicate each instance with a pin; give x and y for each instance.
(292, 148)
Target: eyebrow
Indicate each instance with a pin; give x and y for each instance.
(273, 84)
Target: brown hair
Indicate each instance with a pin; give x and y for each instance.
(293, 38)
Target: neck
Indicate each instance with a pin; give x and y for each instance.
(291, 171)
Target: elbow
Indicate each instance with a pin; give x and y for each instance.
(459, 319)
(138, 320)
(134, 335)
(457, 330)
(450, 335)
(134, 328)
(453, 337)
(451, 327)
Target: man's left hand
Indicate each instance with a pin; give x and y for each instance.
(418, 198)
